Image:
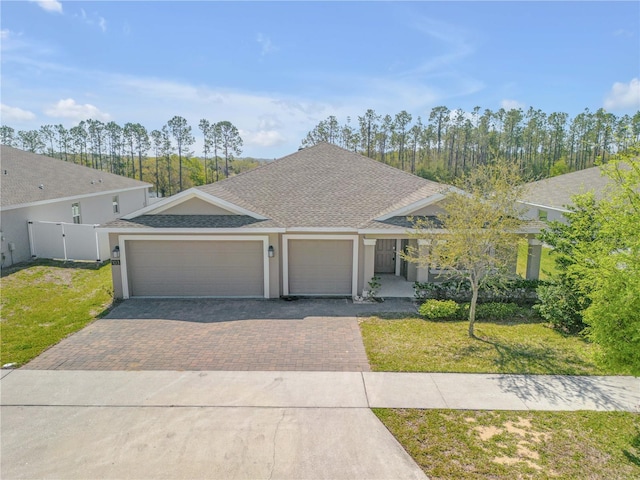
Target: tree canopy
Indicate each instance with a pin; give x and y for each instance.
(475, 237)
(451, 141)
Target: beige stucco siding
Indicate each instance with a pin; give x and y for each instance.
(320, 267)
(429, 210)
(196, 206)
(195, 268)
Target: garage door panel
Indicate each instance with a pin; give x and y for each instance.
(195, 268)
(320, 267)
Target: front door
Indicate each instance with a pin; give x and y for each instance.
(385, 256)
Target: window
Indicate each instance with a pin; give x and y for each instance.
(116, 204)
(75, 212)
(542, 215)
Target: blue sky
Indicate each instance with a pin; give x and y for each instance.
(275, 69)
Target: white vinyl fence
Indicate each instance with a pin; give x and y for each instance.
(68, 241)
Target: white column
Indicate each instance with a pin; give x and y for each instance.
(422, 274)
(369, 260)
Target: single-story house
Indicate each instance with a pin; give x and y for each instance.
(322, 221)
(548, 199)
(38, 192)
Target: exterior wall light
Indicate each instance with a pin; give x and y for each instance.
(271, 252)
(115, 253)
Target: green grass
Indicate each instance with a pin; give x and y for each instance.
(523, 345)
(519, 445)
(547, 261)
(44, 302)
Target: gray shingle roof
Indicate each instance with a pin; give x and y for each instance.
(26, 171)
(406, 222)
(324, 186)
(557, 191)
(191, 221)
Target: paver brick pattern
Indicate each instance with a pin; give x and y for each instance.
(216, 335)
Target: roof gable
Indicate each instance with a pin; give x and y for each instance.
(194, 202)
(27, 178)
(324, 186)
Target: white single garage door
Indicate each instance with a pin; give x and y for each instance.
(320, 267)
(191, 268)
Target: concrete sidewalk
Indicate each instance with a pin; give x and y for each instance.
(250, 425)
(319, 389)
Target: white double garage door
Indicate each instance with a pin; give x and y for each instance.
(237, 266)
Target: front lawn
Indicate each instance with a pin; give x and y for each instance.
(522, 345)
(44, 302)
(528, 445)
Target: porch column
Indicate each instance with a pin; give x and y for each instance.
(534, 253)
(369, 261)
(422, 273)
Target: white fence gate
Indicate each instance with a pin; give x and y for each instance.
(68, 241)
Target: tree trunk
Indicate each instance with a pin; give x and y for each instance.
(472, 309)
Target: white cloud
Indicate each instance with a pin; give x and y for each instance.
(623, 96)
(49, 5)
(262, 138)
(4, 34)
(267, 45)
(15, 114)
(68, 108)
(509, 104)
(92, 20)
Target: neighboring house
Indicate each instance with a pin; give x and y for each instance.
(321, 221)
(548, 199)
(36, 192)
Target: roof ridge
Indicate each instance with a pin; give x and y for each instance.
(378, 162)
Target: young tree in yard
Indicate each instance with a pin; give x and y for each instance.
(475, 238)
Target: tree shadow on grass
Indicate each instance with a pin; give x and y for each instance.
(633, 453)
(538, 373)
(528, 358)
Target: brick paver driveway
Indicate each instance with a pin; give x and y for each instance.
(204, 334)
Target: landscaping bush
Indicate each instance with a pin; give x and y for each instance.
(562, 306)
(496, 311)
(439, 309)
(516, 290)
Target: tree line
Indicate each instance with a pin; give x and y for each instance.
(453, 141)
(124, 150)
(449, 143)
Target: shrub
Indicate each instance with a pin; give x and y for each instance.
(561, 306)
(438, 309)
(516, 290)
(496, 311)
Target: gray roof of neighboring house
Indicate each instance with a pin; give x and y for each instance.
(556, 192)
(192, 221)
(324, 186)
(26, 171)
